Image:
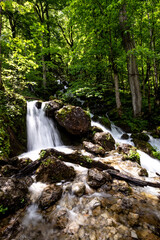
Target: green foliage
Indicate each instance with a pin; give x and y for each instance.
(3, 209)
(12, 120)
(156, 154)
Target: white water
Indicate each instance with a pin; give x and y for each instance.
(152, 165)
(42, 132)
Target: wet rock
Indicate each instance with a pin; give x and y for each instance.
(140, 136)
(8, 171)
(61, 218)
(95, 178)
(78, 189)
(146, 234)
(50, 195)
(13, 194)
(38, 104)
(95, 206)
(52, 170)
(129, 152)
(144, 146)
(124, 148)
(143, 172)
(105, 140)
(124, 136)
(133, 219)
(94, 148)
(121, 186)
(52, 106)
(74, 119)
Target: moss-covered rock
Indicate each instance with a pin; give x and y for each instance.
(74, 119)
(52, 170)
(105, 140)
(144, 146)
(12, 124)
(140, 136)
(52, 106)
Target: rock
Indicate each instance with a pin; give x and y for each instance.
(8, 170)
(95, 206)
(94, 148)
(74, 119)
(105, 121)
(78, 189)
(38, 104)
(121, 186)
(124, 148)
(105, 140)
(52, 170)
(95, 178)
(49, 196)
(124, 136)
(52, 106)
(146, 234)
(133, 219)
(61, 218)
(144, 146)
(140, 136)
(129, 152)
(13, 194)
(143, 172)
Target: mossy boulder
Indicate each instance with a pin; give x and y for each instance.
(53, 170)
(144, 146)
(105, 140)
(52, 106)
(74, 119)
(105, 121)
(140, 136)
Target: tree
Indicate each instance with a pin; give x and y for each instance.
(133, 74)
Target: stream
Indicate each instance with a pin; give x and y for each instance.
(83, 216)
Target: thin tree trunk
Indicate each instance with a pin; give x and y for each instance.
(133, 75)
(118, 101)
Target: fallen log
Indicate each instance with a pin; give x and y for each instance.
(135, 181)
(77, 158)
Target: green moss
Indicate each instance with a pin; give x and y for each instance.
(12, 122)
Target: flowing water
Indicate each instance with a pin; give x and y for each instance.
(42, 132)
(152, 165)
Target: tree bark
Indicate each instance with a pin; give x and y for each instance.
(1, 83)
(133, 74)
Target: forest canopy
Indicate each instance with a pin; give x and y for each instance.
(83, 48)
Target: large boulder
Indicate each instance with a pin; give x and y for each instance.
(13, 194)
(105, 140)
(144, 146)
(74, 119)
(52, 170)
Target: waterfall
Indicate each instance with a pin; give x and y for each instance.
(42, 132)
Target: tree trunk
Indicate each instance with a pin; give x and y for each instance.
(133, 75)
(118, 101)
(1, 84)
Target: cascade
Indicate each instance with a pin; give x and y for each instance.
(152, 165)
(42, 132)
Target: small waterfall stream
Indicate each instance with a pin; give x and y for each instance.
(42, 132)
(152, 165)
